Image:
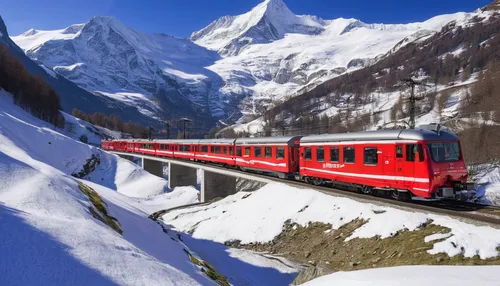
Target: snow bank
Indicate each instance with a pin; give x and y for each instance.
(260, 216)
(180, 196)
(488, 181)
(413, 276)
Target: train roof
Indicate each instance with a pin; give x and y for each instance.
(269, 140)
(177, 141)
(423, 133)
(218, 141)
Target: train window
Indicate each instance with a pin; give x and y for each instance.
(445, 151)
(268, 152)
(320, 154)
(280, 153)
(307, 154)
(399, 151)
(230, 150)
(257, 152)
(204, 149)
(238, 151)
(334, 154)
(420, 151)
(224, 150)
(349, 155)
(410, 153)
(217, 149)
(371, 156)
(247, 151)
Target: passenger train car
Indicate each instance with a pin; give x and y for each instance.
(409, 163)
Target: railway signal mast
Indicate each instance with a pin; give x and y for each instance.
(413, 99)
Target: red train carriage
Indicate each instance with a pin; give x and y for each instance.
(279, 155)
(183, 149)
(424, 162)
(106, 145)
(147, 147)
(219, 151)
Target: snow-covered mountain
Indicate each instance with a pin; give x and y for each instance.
(70, 94)
(236, 65)
(106, 57)
(267, 22)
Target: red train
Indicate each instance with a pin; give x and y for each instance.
(426, 162)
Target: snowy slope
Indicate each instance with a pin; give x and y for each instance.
(488, 184)
(412, 276)
(49, 235)
(240, 217)
(45, 144)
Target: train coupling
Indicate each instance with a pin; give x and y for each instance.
(459, 192)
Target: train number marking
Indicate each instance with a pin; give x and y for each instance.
(333, 166)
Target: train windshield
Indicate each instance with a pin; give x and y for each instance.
(445, 151)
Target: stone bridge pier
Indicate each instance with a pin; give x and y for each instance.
(213, 185)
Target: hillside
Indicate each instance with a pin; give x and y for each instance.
(330, 234)
(96, 229)
(62, 230)
(231, 70)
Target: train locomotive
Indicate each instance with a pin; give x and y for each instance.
(422, 163)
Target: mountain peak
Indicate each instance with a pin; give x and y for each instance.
(3, 28)
(30, 32)
(267, 22)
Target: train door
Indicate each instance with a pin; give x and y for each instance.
(293, 158)
(409, 166)
(399, 165)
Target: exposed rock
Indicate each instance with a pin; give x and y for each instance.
(310, 273)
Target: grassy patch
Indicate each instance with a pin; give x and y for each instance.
(208, 270)
(320, 245)
(98, 208)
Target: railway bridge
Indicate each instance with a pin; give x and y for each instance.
(216, 182)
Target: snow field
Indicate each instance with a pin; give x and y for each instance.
(413, 276)
(259, 216)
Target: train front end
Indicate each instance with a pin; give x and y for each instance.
(448, 171)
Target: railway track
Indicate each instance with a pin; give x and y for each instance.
(462, 210)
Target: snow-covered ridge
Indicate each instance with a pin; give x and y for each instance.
(267, 22)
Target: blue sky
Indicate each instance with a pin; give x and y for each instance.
(181, 17)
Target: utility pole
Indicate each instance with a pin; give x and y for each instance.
(413, 99)
(168, 130)
(184, 120)
(281, 125)
(150, 132)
